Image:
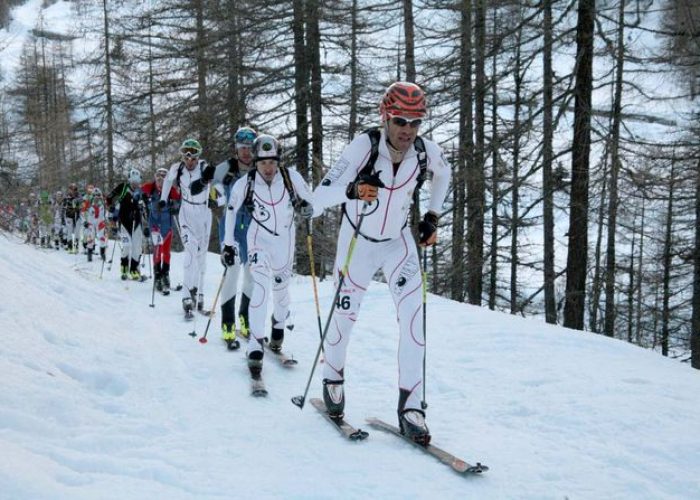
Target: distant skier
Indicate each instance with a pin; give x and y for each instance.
(129, 198)
(270, 194)
(160, 220)
(382, 197)
(93, 215)
(71, 216)
(194, 220)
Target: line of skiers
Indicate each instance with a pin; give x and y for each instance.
(375, 180)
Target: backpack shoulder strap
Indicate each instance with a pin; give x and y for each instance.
(288, 184)
(422, 161)
(249, 189)
(374, 137)
(179, 173)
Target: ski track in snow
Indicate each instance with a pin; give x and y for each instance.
(105, 397)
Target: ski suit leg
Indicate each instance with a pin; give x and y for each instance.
(282, 261)
(362, 267)
(203, 249)
(402, 271)
(192, 228)
(100, 233)
(126, 242)
(137, 243)
(228, 295)
(261, 270)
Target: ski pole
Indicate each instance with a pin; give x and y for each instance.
(203, 339)
(310, 248)
(153, 288)
(424, 403)
(300, 400)
(111, 258)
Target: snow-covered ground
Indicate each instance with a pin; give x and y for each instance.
(105, 397)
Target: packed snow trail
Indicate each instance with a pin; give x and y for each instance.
(105, 397)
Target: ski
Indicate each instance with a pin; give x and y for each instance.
(447, 458)
(232, 345)
(286, 361)
(343, 427)
(206, 312)
(280, 356)
(257, 387)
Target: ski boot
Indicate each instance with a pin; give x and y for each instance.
(166, 283)
(243, 323)
(412, 425)
(158, 283)
(103, 253)
(187, 306)
(200, 302)
(135, 275)
(276, 338)
(255, 363)
(89, 254)
(125, 272)
(228, 334)
(334, 397)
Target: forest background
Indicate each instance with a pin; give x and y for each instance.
(571, 127)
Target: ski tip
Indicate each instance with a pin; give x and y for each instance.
(358, 435)
(476, 469)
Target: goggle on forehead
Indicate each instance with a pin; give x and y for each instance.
(244, 138)
(190, 152)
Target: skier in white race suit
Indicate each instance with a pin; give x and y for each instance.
(271, 194)
(384, 195)
(194, 221)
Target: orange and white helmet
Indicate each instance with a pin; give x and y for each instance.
(403, 99)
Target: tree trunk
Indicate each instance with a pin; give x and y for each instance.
(108, 98)
(475, 179)
(354, 63)
(409, 41)
(465, 155)
(695, 325)
(515, 188)
(667, 261)
(301, 88)
(614, 170)
(550, 305)
(577, 257)
(597, 278)
(202, 97)
(495, 175)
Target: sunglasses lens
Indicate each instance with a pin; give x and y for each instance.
(402, 122)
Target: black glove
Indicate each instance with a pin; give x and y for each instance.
(212, 204)
(197, 186)
(146, 232)
(228, 256)
(427, 229)
(85, 224)
(161, 204)
(174, 208)
(305, 209)
(365, 187)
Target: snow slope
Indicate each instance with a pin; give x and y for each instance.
(105, 397)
